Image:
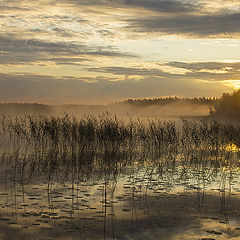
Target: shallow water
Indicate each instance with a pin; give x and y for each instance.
(148, 201)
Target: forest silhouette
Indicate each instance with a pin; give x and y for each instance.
(227, 107)
(162, 101)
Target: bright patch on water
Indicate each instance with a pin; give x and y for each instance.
(231, 148)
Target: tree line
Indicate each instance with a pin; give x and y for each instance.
(227, 107)
(161, 101)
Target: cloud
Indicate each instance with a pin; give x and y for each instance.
(129, 71)
(197, 66)
(68, 89)
(58, 48)
(207, 71)
(219, 25)
(168, 17)
(14, 50)
(8, 6)
(166, 6)
(95, 36)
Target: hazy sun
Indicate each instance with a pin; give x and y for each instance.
(233, 83)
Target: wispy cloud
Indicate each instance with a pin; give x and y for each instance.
(207, 71)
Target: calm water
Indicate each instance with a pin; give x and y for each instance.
(152, 200)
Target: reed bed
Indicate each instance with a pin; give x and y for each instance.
(105, 141)
(104, 133)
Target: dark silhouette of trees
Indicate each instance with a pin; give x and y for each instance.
(228, 106)
(171, 100)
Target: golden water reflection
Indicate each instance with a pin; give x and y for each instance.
(231, 148)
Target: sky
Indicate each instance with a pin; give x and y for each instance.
(103, 51)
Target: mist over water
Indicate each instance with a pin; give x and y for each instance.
(170, 110)
(122, 110)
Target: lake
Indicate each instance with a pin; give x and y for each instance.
(183, 184)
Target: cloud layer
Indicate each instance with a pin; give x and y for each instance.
(125, 83)
(101, 51)
(216, 25)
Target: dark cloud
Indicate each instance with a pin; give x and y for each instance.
(225, 25)
(15, 45)
(14, 50)
(167, 6)
(197, 66)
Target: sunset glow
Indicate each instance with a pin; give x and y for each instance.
(71, 51)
